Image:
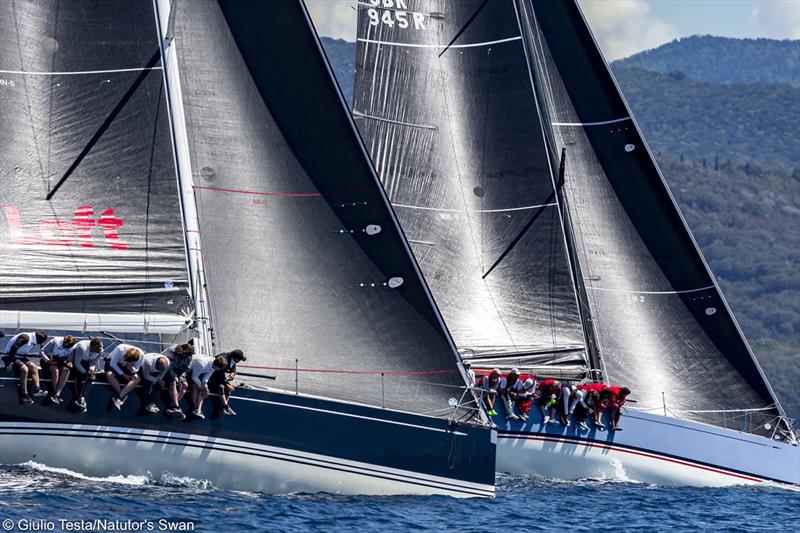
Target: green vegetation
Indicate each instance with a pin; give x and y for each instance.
(722, 60)
(700, 120)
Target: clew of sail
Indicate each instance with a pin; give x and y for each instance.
(444, 103)
(307, 270)
(661, 323)
(90, 229)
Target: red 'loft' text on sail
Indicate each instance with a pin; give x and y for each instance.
(78, 232)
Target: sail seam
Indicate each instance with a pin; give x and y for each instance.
(523, 208)
(599, 123)
(259, 193)
(651, 292)
(78, 72)
(442, 46)
(359, 114)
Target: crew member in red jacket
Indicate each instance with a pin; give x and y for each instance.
(549, 391)
(600, 404)
(616, 399)
(525, 388)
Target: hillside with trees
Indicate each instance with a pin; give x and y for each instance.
(723, 60)
(731, 154)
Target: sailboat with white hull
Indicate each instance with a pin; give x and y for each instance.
(552, 243)
(132, 130)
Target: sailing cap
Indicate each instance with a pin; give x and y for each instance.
(515, 371)
(495, 371)
(528, 383)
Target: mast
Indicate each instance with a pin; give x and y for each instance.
(180, 144)
(584, 310)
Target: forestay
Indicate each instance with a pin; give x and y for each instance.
(444, 102)
(305, 264)
(90, 228)
(662, 325)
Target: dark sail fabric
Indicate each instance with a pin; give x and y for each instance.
(84, 120)
(662, 326)
(443, 100)
(306, 266)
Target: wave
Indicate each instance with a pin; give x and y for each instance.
(164, 479)
(119, 479)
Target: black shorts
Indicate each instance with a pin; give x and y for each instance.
(171, 376)
(218, 379)
(58, 361)
(18, 363)
(109, 368)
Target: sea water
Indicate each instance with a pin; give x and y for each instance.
(38, 498)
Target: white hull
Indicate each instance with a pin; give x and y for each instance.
(651, 449)
(571, 461)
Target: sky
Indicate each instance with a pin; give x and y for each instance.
(625, 27)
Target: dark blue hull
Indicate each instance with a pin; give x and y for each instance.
(277, 443)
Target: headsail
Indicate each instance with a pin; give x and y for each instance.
(662, 325)
(306, 266)
(90, 228)
(444, 102)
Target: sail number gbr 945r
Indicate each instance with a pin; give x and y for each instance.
(391, 12)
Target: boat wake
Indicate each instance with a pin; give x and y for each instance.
(165, 479)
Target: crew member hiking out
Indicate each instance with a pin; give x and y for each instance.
(86, 357)
(16, 349)
(488, 385)
(616, 399)
(549, 391)
(55, 357)
(526, 389)
(221, 381)
(123, 366)
(154, 369)
(582, 404)
(508, 393)
(176, 381)
(600, 404)
(200, 372)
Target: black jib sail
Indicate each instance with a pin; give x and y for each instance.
(444, 102)
(89, 217)
(306, 266)
(662, 325)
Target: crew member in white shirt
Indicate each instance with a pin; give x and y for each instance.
(15, 351)
(123, 366)
(55, 357)
(86, 357)
(200, 372)
(154, 369)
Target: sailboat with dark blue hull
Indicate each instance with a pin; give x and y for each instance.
(552, 243)
(189, 170)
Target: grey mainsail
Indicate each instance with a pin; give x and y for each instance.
(662, 325)
(305, 263)
(88, 197)
(444, 102)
